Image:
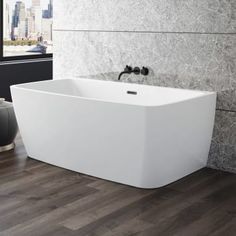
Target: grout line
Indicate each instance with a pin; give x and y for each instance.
(225, 110)
(140, 32)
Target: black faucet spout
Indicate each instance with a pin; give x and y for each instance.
(129, 70)
(122, 73)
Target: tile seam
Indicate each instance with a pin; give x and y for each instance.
(225, 110)
(142, 32)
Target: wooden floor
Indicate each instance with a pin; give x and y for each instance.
(39, 199)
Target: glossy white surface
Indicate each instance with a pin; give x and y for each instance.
(94, 127)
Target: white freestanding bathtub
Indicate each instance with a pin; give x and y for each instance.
(138, 135)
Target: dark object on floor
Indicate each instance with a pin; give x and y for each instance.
(8, 126)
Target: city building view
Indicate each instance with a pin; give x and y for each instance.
(27, 27)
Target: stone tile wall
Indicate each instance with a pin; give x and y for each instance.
(185, 43)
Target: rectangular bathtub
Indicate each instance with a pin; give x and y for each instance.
(143, 136)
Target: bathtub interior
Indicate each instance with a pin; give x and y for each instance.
(118, 92)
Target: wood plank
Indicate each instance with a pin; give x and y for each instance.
(39, 199)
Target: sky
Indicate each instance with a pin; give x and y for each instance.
(44, 3)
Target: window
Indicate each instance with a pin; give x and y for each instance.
(26, 29)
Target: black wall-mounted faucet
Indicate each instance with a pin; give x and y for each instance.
(135, 70)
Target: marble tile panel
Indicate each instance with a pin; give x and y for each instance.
(193, 61)
(223, 149)
(206, 16)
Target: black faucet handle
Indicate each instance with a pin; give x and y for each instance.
(136, 70)
(128, 69)
(144, 71)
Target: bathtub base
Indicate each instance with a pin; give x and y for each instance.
(127, 182)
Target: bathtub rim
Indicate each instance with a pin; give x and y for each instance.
(199, 93)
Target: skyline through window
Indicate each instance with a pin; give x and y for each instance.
(27, 27)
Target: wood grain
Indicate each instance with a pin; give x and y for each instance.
(38, 199)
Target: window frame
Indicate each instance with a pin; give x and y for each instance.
(14, 58)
